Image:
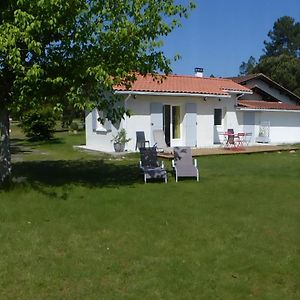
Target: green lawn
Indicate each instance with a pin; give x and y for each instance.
(85, 226)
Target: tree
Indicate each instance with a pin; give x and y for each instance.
(247, 67)
(39, 124)
(281, 58)
(284, 38)
(5, 165)
(73, 52)
(283, 69)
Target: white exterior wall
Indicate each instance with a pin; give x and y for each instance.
(140, 120)
(284, 126)
(99, 139)
(207, 133)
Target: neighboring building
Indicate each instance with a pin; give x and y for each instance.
(270, 106)
(194, 111)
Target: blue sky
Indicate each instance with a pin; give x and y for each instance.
(220, 34)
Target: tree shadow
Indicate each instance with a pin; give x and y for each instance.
(16, 149)
(91, 173)
(35, 142)
(18, 145)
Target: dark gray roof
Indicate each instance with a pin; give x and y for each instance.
(244, 79)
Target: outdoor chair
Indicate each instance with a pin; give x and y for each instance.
(160, 141)
(183, 163)
(241, 140)
(150, 165)
(140, 140)
(248, 138)
(230, 138)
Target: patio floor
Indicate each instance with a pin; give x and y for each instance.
(245, 150)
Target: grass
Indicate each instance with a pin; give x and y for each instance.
(84, 226)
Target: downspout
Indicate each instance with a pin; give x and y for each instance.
(237, 98)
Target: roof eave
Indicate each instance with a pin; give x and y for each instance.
(175, 94)
(249, 92)
(267, 109)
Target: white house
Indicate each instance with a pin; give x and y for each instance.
(194, 111)
(271, 107)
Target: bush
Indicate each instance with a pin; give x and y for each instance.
(39, 124)
(74, 126)
(121, 137)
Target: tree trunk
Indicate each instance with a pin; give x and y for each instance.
(5, 158)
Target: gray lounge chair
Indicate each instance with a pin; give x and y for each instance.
(140, 140)
(183, 163)
(150, 165)
(160, 141)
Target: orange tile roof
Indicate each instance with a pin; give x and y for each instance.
(184, 84)
(259, 104)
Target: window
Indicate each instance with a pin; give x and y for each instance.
(218, 116)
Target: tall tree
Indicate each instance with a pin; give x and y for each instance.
(247, 67)
(283, 69)
(281, 58)
(284, 38)
(75, 51)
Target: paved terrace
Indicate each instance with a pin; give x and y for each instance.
(245, 150)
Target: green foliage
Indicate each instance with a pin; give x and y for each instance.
(283, 69)
(38, 124)
(247, 67)
(281, 61)
(69, 113)
(74, 52)
(71, 53)
(284, 38)
(121, 137)
(74, 126)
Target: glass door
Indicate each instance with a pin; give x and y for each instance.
(172, 123)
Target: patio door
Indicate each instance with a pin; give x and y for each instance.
(172, 123)
(218, 125)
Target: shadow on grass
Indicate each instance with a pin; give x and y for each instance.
(93, 173)
(18, 146)
(16, 149)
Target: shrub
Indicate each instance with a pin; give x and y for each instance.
(74, 126)
(38, 124)
(121, 137)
